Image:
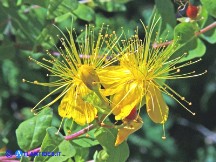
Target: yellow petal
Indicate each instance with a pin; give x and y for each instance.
(129, 128)
(112, 78)
(83, 113)
(65, 106)
(126, 92)
(73, 106)
(156, 106)
(124, 101)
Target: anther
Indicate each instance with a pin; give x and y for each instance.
(69, 131)
(163, 137)
(102, 124)
(23, 80)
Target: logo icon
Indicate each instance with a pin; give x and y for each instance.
(8, 153)
(18, 153)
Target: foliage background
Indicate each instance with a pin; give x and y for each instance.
(25, 28)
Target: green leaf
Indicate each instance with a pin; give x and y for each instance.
(81, 154)
(52, 7)
(25, 23)
(24, 159)
(69, 160)
(69, 126)
(111, 6)
(84, 12)
(202, 16)
(185, 37)
(64, 17)
(10, 74)
(198, 50)
(57, 144)
(26, 112)
(31, 132)
(33, 2)
(3, 141)
(47, 37)
(210, 6)
(155, 16)
(101, 156)
(85, 142)
(7, 51)
(166, 10)
(60, 7)
(106, 138)
(185, 32)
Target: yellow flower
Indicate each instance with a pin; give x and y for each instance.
(140, 78)
(76, 72)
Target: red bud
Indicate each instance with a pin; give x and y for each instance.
(192, 11)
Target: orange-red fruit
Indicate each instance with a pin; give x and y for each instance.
(132, 115)
(192, 11)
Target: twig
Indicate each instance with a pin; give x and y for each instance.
(207, 28)
(210, 136)
(81, 132)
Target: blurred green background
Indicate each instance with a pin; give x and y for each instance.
(25, 30)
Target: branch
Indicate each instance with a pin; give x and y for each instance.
(207, 28)
(210, 136)
(79, 133)
(69, 137)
